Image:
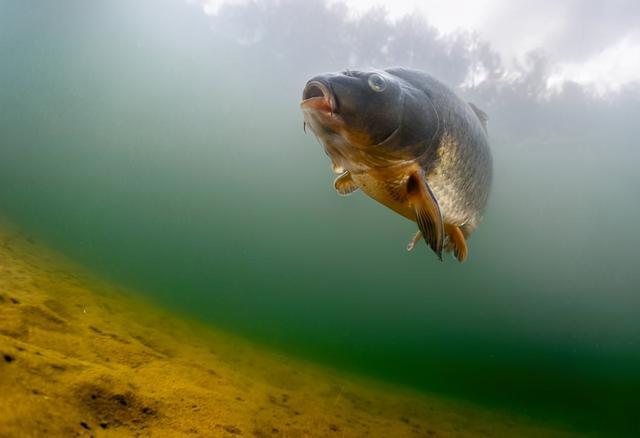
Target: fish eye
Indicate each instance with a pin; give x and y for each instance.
(377, 83)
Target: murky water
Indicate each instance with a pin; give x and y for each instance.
(160, 154)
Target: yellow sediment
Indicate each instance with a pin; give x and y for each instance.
(80, 357)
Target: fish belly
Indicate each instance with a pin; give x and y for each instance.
(390, 193)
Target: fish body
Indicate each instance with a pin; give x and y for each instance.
(409, 142)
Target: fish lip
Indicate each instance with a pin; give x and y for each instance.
(318, 96)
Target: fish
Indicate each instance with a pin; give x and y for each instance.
(408, 141)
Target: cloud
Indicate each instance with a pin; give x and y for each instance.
(593, 43)
(591, 27)
(569, 29)
(576, 35)
(212, 7)
(606, 71)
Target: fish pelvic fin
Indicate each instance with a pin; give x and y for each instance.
(414, 240)
(427, 211)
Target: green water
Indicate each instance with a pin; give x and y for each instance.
(158, 152)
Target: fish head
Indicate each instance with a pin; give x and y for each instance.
(364, 119)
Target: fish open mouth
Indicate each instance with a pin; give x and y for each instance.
(318, 96)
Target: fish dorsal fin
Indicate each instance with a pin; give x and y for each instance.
(482, 116)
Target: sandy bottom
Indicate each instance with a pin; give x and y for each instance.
(79, 357)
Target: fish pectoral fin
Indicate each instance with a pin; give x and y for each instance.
(416, 238)
(345, 185)
(427, 212)
(456, 237)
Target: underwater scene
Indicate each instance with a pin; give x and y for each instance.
(175, 260)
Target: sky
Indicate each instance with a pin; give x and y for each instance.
(592, 42)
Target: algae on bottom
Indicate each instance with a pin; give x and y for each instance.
(81, 357)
